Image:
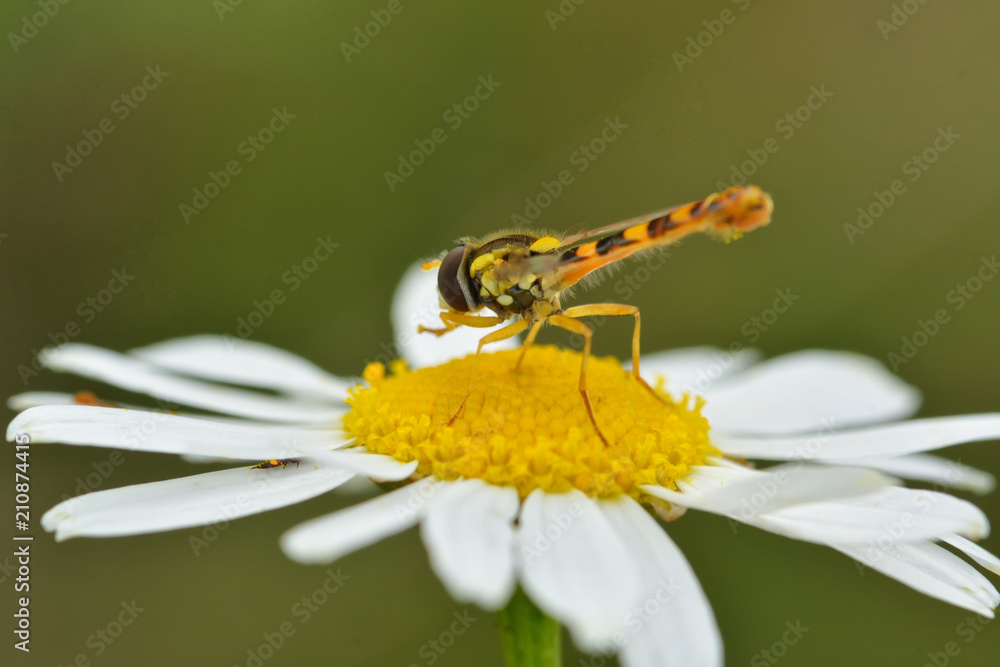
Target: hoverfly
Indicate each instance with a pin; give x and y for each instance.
(274, 463)
(522, 276)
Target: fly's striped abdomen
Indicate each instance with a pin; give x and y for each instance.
(734, 211)
(644, 232)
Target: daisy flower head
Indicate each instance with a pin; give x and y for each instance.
(523, 508)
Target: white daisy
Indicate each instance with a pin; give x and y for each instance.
(520, 493)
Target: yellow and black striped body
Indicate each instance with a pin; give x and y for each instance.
(727, 215)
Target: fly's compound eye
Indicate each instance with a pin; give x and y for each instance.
(451, 281)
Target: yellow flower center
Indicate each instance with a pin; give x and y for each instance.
(529, 428)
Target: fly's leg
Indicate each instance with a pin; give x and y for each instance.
(501, 334)
(617, 310)
(566, 322)
(528, 341)
(454, 320)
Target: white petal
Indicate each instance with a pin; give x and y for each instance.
(694, 369)
(34, 399)
(416, 303)
(931, 570)
(889, 515)
(327, 538)
(696, 489)
(469, 533)
(673, 623)
(974, 551)
(238, 361)
(773, 489)
(917, 435)
(928, 468)
(806, 391)
(138, 430)
(139, 376)
(359, 486)
(368, 471)
(209, 498)
(575, 567)
(31, 399)
(379, 467)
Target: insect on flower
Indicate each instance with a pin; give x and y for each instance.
(521, 276)
(274, 463)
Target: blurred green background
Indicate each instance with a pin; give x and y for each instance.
(225, 66)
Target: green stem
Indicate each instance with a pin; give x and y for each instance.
(529, 637)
